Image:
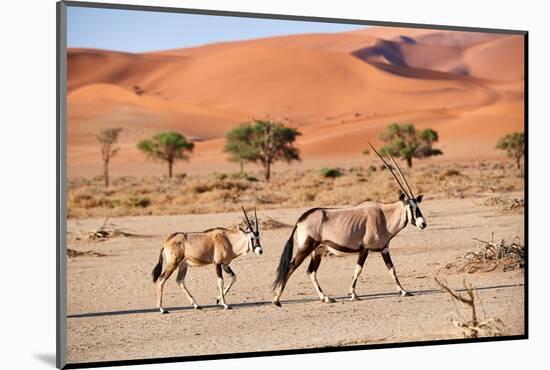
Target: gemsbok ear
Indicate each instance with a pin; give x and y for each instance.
(419, 198)
(402, 196)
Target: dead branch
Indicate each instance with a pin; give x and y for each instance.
(472, 328)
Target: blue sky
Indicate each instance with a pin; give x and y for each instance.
(141, 31)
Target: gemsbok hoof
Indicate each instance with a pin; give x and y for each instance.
(328, 300)
(227, 307)
(406, 294)
(277, 303)
(197, 307)
(354, 298)
(163, 311)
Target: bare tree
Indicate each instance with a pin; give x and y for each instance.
(106, 139)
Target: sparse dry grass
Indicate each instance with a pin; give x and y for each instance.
(297, 188)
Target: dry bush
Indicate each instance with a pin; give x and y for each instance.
(266, 223)
(72, 253)
(449, 173)
(109, 230)
(505, 203)
(226, 192)
(474, 327)
(504, 255)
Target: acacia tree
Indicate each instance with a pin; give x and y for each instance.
(167, 146)
(273, 142)
(264, 142)
(238, 144)
(404, 141)
(106, 139)
(514, 145)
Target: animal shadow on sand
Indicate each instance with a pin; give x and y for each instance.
(370, 296)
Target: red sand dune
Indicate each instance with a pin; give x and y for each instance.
(339, 89)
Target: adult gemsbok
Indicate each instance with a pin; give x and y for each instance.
(368, 226)
(218, 246)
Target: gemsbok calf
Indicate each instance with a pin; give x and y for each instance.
(218, 246)
(368, 226)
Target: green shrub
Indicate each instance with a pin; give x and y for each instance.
(201, 188)
(331, 172)
(218, 176)
(450, 172)
(135, 202)
(143, 202)
(238, 175)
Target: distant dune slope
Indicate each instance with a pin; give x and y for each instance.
(340, 89)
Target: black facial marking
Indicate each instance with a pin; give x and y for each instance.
(255, 240)
(413, 211)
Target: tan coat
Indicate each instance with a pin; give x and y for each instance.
(199, 249)
(370, 225)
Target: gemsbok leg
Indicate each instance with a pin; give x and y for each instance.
(180, 279)
(389, 265)
(220, 287)
(316, 258)
(233, 278)
(170, 267)
(358, 268)
(303, 251)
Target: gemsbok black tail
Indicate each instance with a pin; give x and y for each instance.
(158, 268)
(284, 262)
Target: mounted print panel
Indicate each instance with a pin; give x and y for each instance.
(237, 184)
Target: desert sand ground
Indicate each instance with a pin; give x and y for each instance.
(111, 299)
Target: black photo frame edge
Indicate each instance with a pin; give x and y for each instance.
(61, 186)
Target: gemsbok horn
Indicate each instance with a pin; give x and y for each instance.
(217, 246)
(368, 226)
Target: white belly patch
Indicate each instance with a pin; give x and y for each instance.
(340, 253)
(196, 263)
